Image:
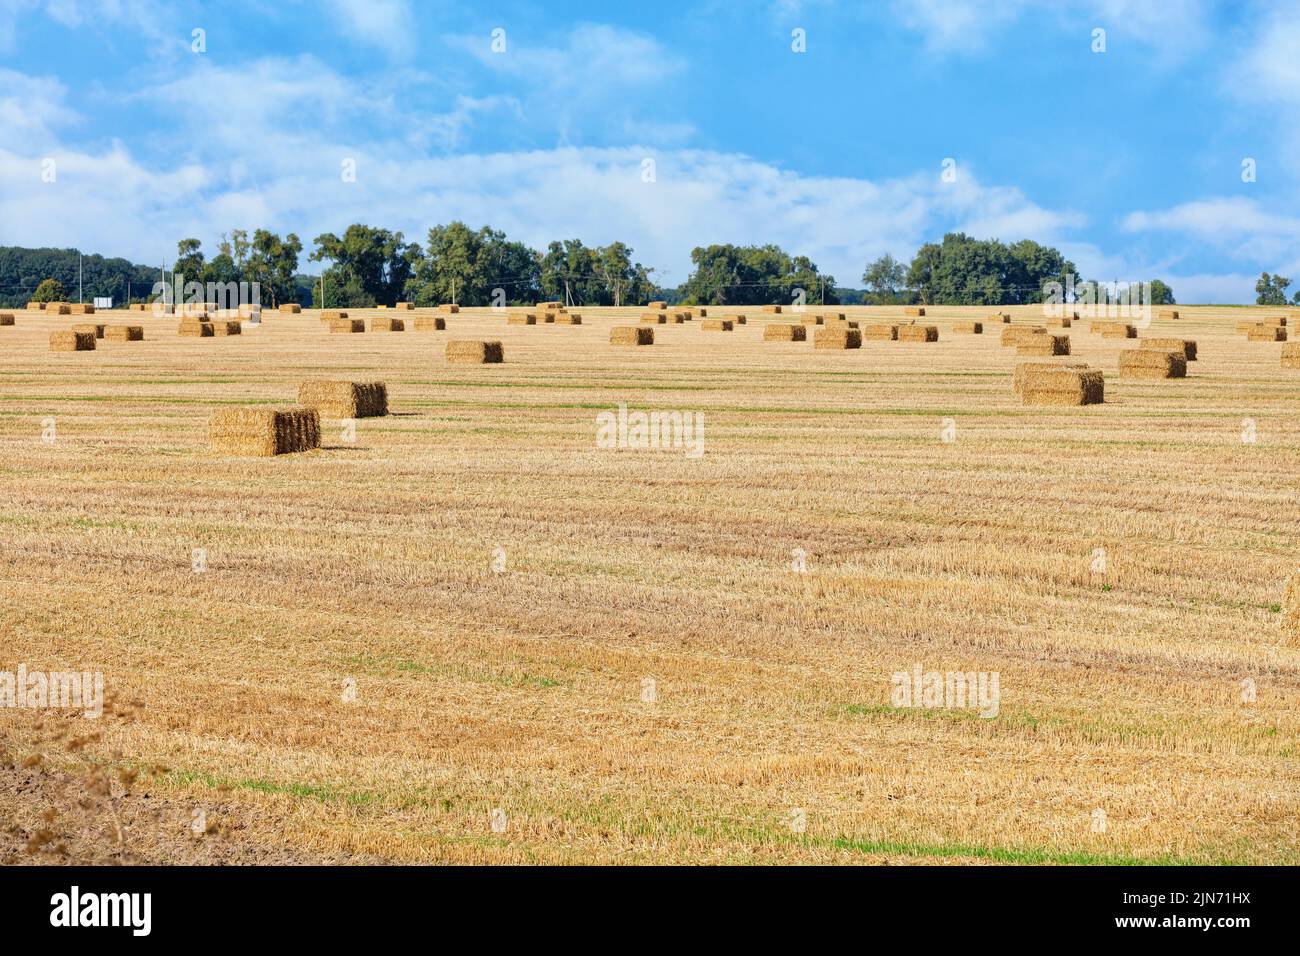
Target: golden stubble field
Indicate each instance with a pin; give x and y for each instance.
(371, 565)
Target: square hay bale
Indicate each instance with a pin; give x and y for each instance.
(780, 332)
(550, 305)
(450, 308)
(57, 308)
(405, 306)
(1152, 363)
(657, 304)
(703, 313)
(196, 328)
(969, 328)
(348, 325)
(139, 307)
(1119, 330)
(1167, 314)
(883, 331)
(916, 310)
(772, 308)
(1186, 346)
(1260, 332)
(332, 315)
(837, 337)
(474, 352)
(126, 333)
(813, 320)
(1019, 334)
(248, 311)
(686, 314)
(71, 341)
(290, 308)
(521, 318)
(1063, 385)
(918, 333)
(738, 319)
(1044, 344)
(263, 432)
(6, 318)
(81, 308)
(430, 323)
(1291, 355)
(1003, 318)
(387, 324)
(1025, 370)
(678, 318)
(632, 335)
(344, 399)
(659, 318)
(548, 318)
(717, 325)
(568, 318)
(227, 327)
(830, 317)
(1058, 322)
(35, 306)
(94, 328)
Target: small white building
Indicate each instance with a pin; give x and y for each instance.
(103, 302)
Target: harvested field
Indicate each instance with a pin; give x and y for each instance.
(370, 566)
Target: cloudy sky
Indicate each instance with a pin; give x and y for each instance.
(1131, 159)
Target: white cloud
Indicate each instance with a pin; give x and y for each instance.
(387, 24)
(31, 108)
(1235, 227)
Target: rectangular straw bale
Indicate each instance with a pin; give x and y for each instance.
(1026, 370)
(738, 319)
(881, 331)
(1019, 334)
(779, 332)
(969, 328)
(657, 304)
(405, 306)
(837, 337)
(1119, 330)
(71, 341)
(1058, 322)
(126, 333)
(449, 307)
(227, 327)
(474, 352)
(57, 308)
(196, 328)
(1064, 385)
(1291, 355)
(35, 306)
(657, 318)
(1003, 318)
(1186, 346)
(632, 335)
(430, 323)
(348, 325)
(918, 333)
(334, 399)
(6, 318)
(813, 320)
(549, 305)
(81, 308)
(290, 308)
(1152, 363)
(568, 318)
(384, 323)
(332, 315)
(717, 325)
(1259, 332)
(1167, 314)
(917, 310)
(1045, 344)
(521, 318)
(263, 432)
(96, 329)
(771, 308)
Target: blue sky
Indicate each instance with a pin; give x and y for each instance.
(1130, 159)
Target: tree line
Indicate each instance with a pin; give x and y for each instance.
(368, 266)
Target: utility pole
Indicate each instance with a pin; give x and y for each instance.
(453, 289)
(79, 284)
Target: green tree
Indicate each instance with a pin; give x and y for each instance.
(1271, 289)
(1161, 294)
(369, 266)
(50, 290)
(740, 275)
(189, 260)
(962, 270)
(884, 279)
(272, 262)
(469, 266)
